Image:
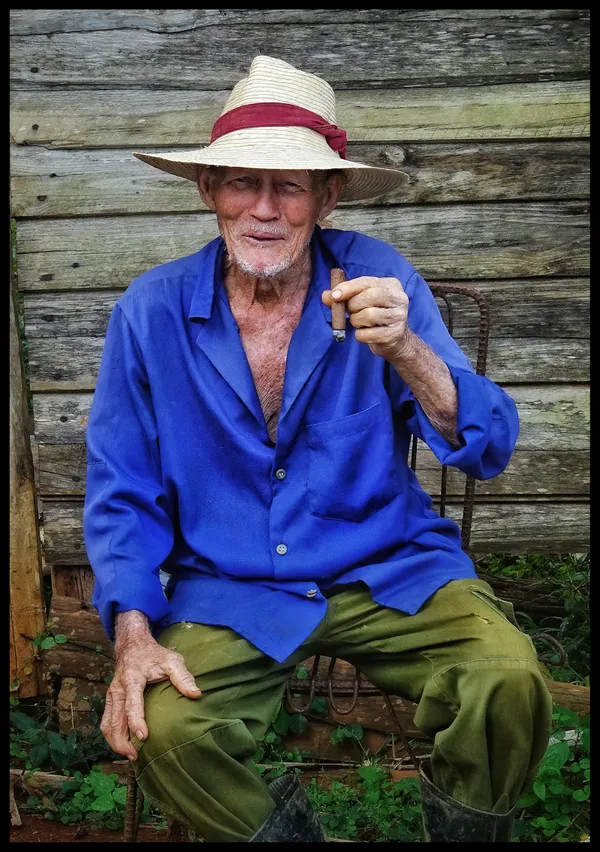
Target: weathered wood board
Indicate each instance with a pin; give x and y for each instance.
(50, 21)
(509, 526)
(70, 364)
(464, 49)
(551, 416)
(27, 616)
(444, 243)
(112, 182)
(556, 472)
(99, 118)
(556, 309)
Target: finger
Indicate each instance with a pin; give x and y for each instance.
(134, 709)
(376, 318)
(348, 289)
(375, 297)
(184, 680)
(118, 735)
(378, 336)
(326, 298)
(105, 723)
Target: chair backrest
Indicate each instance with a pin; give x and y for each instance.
(445, 292)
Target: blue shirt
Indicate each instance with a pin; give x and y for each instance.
(182, 476)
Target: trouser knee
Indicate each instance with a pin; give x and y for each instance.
(506, 700)
(518, 694)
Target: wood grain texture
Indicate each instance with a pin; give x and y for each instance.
(71, 582)
(67, 661)
(453, 242)
(111, 182)
(138, 119)
(539, 332)
(50, 21)
(62, 472)
(80, 624)
(75, 707)
(551, 416)
(498, 527)
(556, 308)
(27, 614)
(71, 364)
(463, 50)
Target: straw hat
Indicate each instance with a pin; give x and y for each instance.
(280, 118)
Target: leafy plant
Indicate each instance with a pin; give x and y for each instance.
(271, 750)
(49, 639)
(557, 806)
(36, 744)
(377, 809)
(352, 731)
(95, 797)
(567, 577)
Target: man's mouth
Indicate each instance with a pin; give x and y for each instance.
(262, 238)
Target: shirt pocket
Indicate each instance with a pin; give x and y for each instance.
(351, 468)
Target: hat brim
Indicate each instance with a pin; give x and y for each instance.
(279, 148)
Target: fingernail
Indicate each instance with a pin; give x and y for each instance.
(139, 735)
(337, 294)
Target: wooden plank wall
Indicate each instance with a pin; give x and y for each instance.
(485, 111)
(27, 614)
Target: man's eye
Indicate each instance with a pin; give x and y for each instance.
(290, 186)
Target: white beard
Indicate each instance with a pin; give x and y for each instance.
(263, 272)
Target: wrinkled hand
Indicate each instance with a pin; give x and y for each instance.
(140, 660)
(378, 310)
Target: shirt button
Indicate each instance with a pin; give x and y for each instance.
(281, 473)
(281, 549)
(311, 593)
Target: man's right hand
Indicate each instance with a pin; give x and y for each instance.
(139, 660)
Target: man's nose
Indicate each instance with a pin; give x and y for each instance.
(266, 205)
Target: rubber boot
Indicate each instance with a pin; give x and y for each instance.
(294, 818)
(447, 821)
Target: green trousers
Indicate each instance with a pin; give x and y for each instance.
(480, 692)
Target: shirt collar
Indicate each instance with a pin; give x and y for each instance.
(210, 263)
(323, 263)
(211, 266)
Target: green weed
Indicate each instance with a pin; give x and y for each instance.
(557, 806)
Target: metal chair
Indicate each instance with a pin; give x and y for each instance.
(358, 686)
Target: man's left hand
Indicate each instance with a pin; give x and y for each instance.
(378, 310)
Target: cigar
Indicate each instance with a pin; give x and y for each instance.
(338, 309)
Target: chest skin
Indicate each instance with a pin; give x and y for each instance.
(266, 338)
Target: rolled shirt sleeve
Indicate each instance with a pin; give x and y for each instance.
(127, 528)
(487, 417)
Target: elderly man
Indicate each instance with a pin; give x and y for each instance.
(237, 445)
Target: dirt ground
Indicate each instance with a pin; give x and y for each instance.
(36, 829)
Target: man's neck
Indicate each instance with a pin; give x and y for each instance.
(247, 292)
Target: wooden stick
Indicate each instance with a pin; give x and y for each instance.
(15, 816)
(338, 309)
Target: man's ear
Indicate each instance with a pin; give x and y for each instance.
(204, 187)
(333, 190)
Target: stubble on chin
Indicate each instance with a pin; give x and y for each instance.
(261, 271)
(258, 269)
